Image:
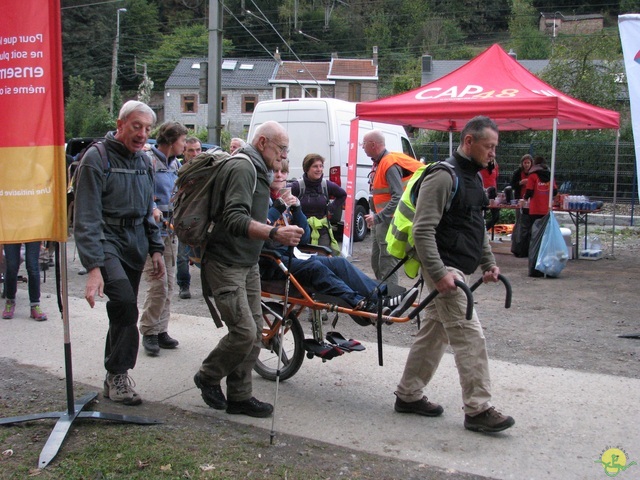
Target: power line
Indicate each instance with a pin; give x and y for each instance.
(91, 4)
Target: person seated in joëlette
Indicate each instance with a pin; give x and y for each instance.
(334, 276)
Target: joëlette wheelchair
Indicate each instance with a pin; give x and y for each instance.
(290, 343)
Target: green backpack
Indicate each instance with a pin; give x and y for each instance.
(193, 208)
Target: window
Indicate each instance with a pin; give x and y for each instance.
(229, 64)
(310, 92)
(282, 92)
(189, 126)
(189, 103)
(223, 104)
(249, 103)
(355, 92)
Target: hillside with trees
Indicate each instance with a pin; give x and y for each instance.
(155, 34)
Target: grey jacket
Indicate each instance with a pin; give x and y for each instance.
(123, 194)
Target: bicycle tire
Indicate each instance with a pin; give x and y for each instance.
(293, 355)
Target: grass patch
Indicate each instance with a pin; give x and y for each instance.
(113, 451)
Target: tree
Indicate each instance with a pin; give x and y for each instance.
(85, 115)
(87, 42)
(586, 67)
(190, 41)
(629, 6)
(476, 17)
(139, 36)
(526, 39)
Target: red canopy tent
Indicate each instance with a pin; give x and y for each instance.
(492, 84)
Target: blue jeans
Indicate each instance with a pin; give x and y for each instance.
(334, 276)
(12, 259)
(183, 277)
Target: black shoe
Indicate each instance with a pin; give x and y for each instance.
(371, 305)
(211, 394)
(421, 407)
(489, 421)
(150, 344)
(165, 341)
(252, 407)
(185, 294)
(400, 303)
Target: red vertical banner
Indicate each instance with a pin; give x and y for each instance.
(347, 238)
(32, 159)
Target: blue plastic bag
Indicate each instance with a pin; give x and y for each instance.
(553, 254)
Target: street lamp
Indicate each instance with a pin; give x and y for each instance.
(114, 66)
(555, 14)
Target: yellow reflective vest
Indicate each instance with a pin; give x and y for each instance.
(399, 238)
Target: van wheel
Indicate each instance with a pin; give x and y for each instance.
(359, 224)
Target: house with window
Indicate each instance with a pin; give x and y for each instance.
(246, 81)
(350, 79)
(554, 23)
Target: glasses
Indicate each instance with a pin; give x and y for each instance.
(282, 148)
(362, 144)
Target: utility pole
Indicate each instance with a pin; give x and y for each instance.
(214, 87)
(114, 65)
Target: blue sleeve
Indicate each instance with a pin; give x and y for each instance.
(273, 215)
(300, 219)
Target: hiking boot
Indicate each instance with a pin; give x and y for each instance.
(9, 309)
(165, 341)
(252, 407)
(421, 407)
(489, 421)
(37, 314)
(400, 303)
(119, 388)
(185, 294)
(211, 394)
(150, 344)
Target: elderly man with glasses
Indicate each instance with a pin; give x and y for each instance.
(230, 263)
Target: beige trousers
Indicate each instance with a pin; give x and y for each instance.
(445, 325)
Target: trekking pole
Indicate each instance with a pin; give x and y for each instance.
(280, 344)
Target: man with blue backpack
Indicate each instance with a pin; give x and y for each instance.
(451, 242)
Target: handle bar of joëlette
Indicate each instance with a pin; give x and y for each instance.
(433, 295)
(507, 286)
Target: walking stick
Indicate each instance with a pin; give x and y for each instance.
(281, 341)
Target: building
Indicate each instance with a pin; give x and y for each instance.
(246, 81)
(555, 23)
(353, 80)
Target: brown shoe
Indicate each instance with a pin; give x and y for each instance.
(489, 421)
(421, 407)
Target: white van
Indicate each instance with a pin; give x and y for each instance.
(322, 125)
